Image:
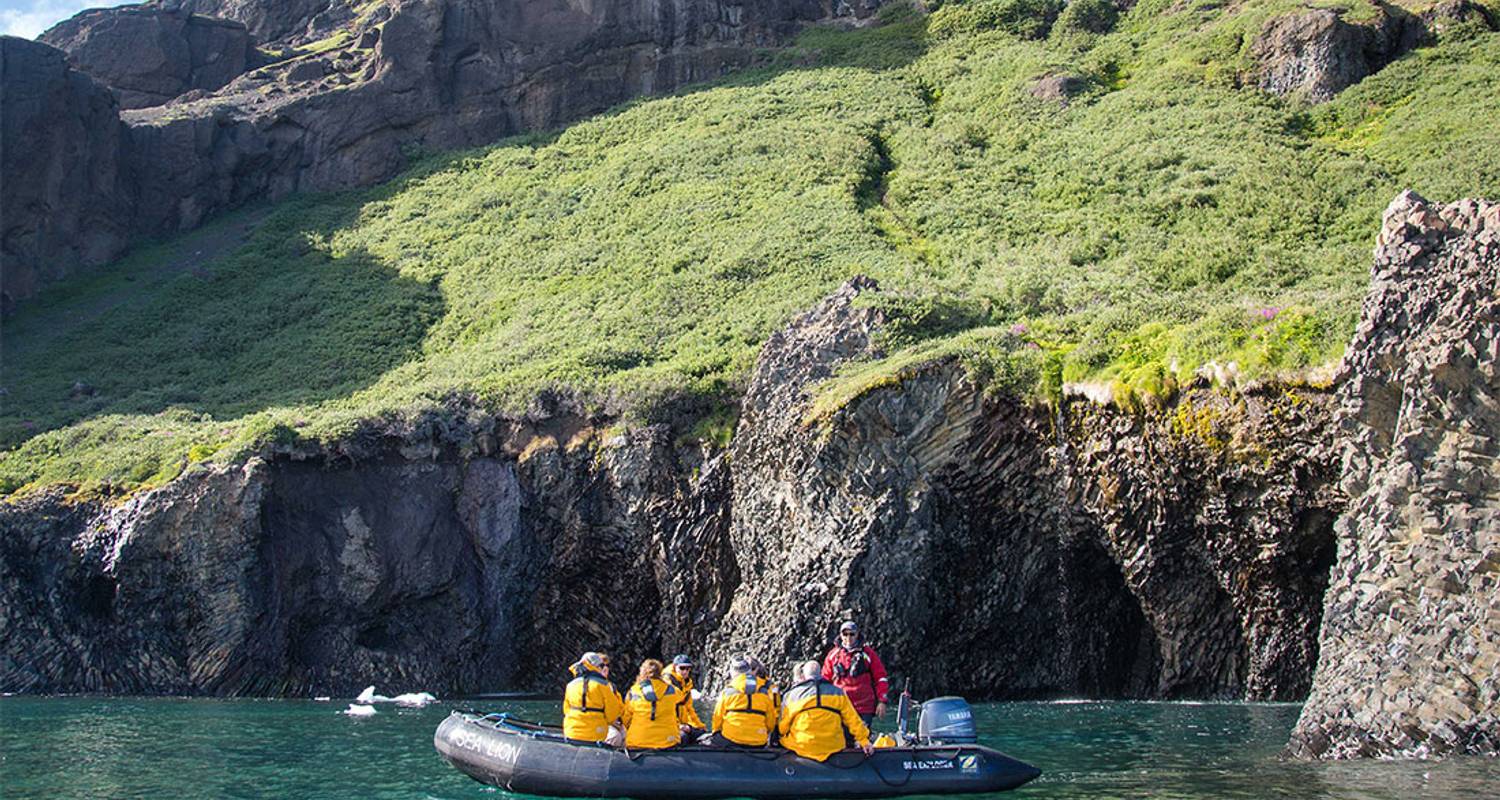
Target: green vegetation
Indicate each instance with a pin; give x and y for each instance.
(1164, 219)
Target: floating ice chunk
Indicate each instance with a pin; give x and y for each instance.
(322, 698)
(413, 699)
(368, 696)
(357, 710)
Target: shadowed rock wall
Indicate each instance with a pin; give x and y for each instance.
(66, 200)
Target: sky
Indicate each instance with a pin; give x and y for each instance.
(27, 18)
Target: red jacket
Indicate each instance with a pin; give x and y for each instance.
(859, 673)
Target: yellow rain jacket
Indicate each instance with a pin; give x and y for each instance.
(814, 715)
(746, 711)
(590, 705)
(686, 713)
(651, 715)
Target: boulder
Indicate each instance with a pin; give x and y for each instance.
(149, 56)
(1058, 88)
(1317, 53)
(1411, 631)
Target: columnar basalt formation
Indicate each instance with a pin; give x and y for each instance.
(415, 565)
(994, 548)
(1411, 631)
(990, 547)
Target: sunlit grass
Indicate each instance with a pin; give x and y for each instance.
(1163, 220)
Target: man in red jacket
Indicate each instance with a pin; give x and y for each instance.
(853, 666)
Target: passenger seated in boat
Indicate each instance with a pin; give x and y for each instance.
(590, 703)
(680, 675)
(745, 714)
(651, 710)
(815, 714)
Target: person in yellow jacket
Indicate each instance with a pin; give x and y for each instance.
(651, 710)
(590, 703)
(745, 714)
(680, 675)
(814, 715)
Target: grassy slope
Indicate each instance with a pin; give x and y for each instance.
(1163, 219)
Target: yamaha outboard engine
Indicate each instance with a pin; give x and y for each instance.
(947, 720)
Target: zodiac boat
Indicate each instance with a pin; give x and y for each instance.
(528, 758)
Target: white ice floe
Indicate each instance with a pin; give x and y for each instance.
(322, 698)
(357, 710)
(413, 699)
(368, 696)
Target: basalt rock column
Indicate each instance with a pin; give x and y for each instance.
(1411, 632)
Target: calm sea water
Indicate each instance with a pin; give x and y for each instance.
(180, 748)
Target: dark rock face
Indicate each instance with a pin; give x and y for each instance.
(291, 21)
(988, 548)
(292, 577)
(65, 203)
(993, 550)
(379, 81)
(149, 56)
(1411, 633)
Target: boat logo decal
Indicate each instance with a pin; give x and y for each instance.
(968, 763)
(921, 765)
(484, 745)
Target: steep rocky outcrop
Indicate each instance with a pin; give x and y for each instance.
(995, 549)
(356, 88)
(1411, 631)
(415, 568)
(65, 203)
(1318, 53)
(991, 548)
(291, 21)
(149, 56)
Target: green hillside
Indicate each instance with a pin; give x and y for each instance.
(1164, 218)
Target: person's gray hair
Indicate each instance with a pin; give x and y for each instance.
(593, 659)
(741, 665)
(808, 670)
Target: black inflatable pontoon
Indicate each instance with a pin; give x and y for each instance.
(523, 757)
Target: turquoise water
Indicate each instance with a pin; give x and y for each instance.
(180, 748)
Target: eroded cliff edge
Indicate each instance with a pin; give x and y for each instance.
(1411, 634)
(996, 549)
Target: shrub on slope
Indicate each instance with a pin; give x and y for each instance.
(1162, 219)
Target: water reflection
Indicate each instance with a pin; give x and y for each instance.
(151, 748)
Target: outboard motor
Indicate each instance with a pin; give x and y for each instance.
(947, 720)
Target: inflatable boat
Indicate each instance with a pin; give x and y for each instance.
(527, 758)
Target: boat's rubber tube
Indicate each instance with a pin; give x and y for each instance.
(531, 759)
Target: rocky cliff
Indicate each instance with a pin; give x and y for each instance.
(67, 197)
(990, 548)
(1411, 631)
(149, 56)
(994, 548)
(385, 80)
